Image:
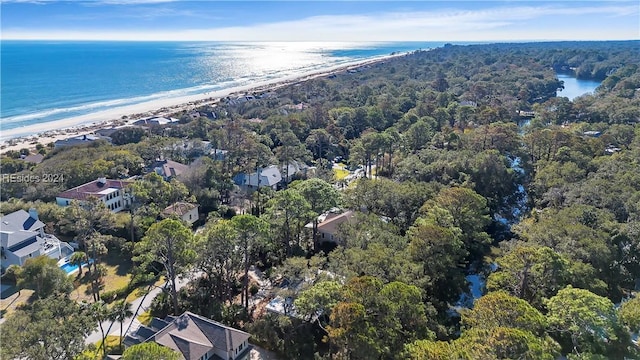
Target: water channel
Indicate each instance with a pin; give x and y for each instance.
(573, 88)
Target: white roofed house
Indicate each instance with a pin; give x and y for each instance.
(156, 121)
(112, 193)
(22, 237)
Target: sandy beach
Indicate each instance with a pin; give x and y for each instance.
(44, 133)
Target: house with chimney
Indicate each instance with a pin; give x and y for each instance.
(194, 337)
(113, 193)
(22, 237)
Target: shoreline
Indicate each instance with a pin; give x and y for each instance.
(29, 136)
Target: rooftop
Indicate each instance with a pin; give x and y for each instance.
(332, 221)
(169, 168)
(269, 176)
(180, 208)
(77, 140)
(20, 220)
(191, 335)
(95, 188)
(157, 120)
(33, 158)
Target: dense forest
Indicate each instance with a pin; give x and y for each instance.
(472, 165)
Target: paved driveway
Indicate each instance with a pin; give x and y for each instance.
(138, 306)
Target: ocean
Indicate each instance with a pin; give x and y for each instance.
(44, 81)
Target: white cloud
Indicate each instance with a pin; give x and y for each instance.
(499, 23)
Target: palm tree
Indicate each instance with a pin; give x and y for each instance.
(78, 258)
(100, 313)
(97, 281)
(120, 311)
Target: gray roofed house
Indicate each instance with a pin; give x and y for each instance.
(269, 176)
(194, 337)
(294, 167)
(33, 158)
(21, 220)
(22, 237)
(79, 140)
(169, 169)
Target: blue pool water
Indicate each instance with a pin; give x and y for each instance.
(70, 268)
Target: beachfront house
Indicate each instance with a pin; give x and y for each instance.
(155, 121)
(269, 176)
(112, 193)
(194, 337)
(79, 140)
(22, 237)
(193, 115)
(168, 169)
(183, 210)
(33, 158)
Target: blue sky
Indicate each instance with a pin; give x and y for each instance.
(308, 20)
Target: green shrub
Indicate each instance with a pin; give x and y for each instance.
(253, 289)
(112, 295)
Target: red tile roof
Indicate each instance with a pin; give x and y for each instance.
(93, 188)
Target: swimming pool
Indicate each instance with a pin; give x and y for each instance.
(71, 268)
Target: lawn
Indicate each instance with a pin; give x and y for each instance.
(145, 318)
(118, 276)
(340, 173)
(112, 342)
(9, 304)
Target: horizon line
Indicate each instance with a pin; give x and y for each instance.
(324, 41)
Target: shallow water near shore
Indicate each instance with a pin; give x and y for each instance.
(44, 81)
